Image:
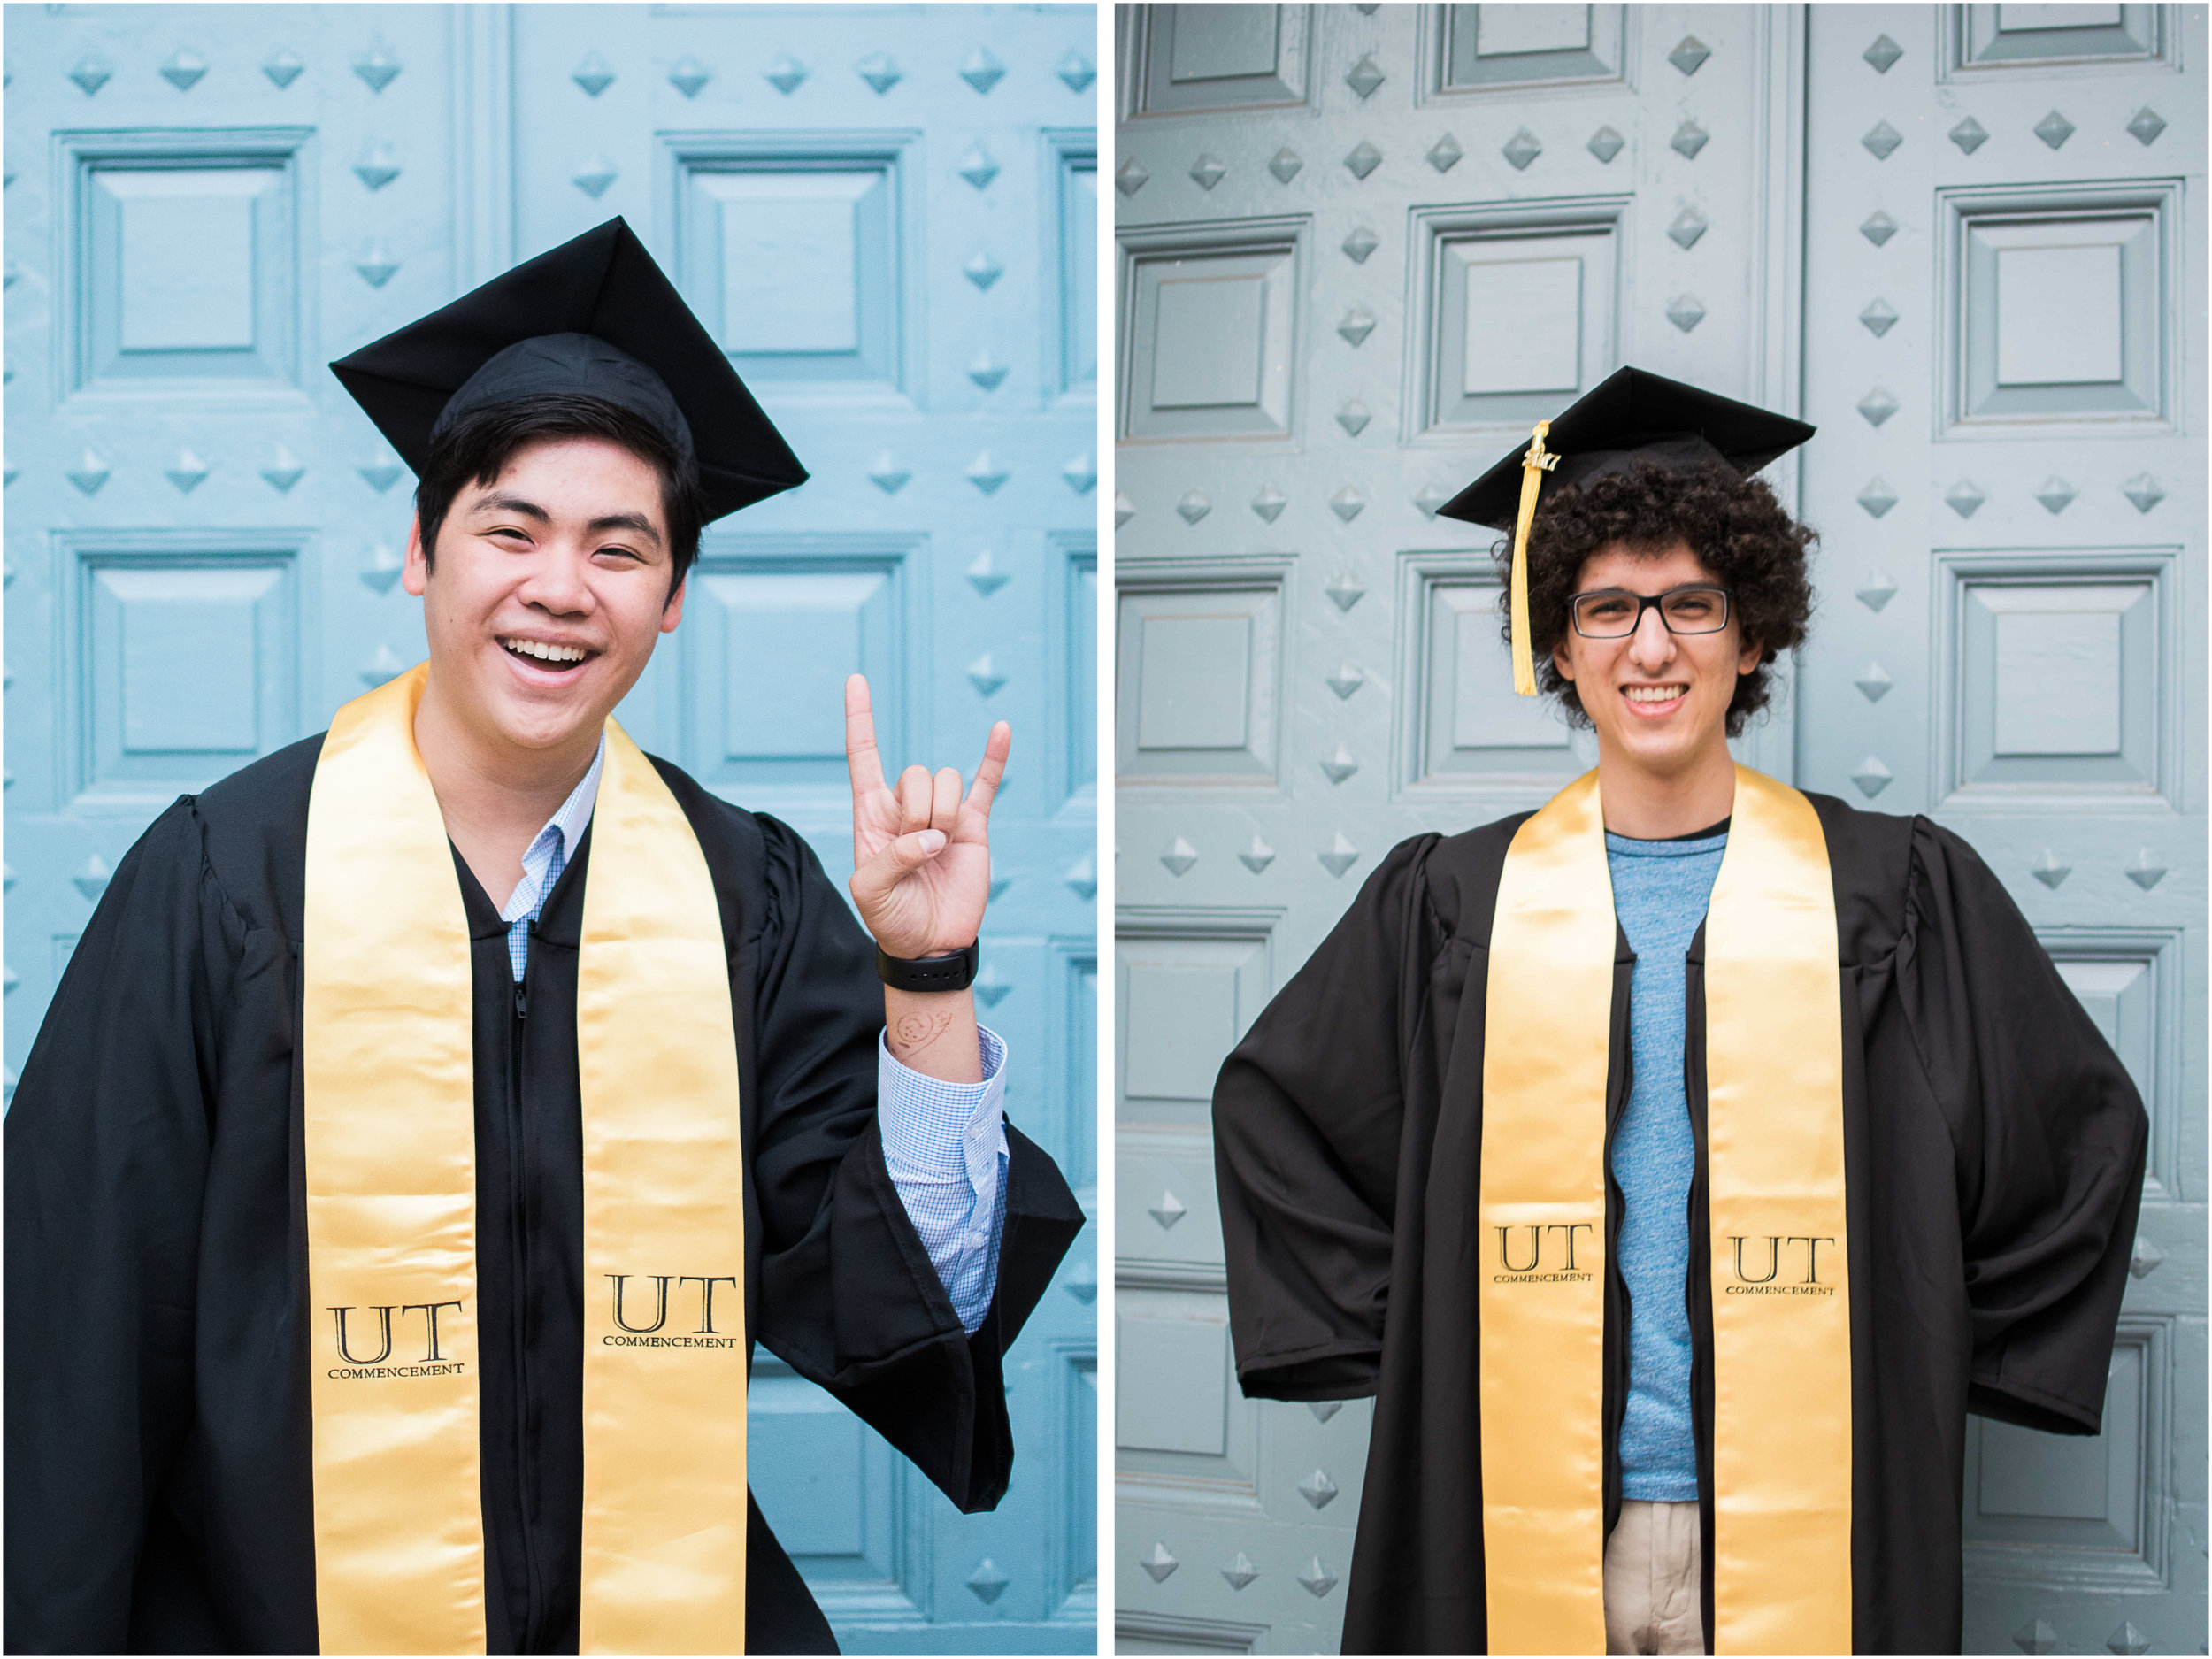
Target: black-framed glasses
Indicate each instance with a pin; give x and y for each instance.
(1613, 613)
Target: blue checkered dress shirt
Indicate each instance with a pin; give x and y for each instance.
(944, 1143)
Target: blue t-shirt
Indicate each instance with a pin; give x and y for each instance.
(1660, 892)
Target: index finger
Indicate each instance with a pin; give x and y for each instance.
(861, 758)
(996, 749)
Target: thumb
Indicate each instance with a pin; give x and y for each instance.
(898, 859)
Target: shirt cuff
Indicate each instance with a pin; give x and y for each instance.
(941, 1131)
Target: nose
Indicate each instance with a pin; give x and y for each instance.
(1652, 646)
(558, 582)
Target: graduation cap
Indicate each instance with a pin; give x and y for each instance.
(1632, 416)
(593, 317)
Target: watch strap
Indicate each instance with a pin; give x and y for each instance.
(955, 971)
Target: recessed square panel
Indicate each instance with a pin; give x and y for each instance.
(1193, 57)
(2053, 682)
(1174, 1392)
(1211, 334)
(1198, 683)
(184, 254)
(1079, 270)
(1183, 999)
(1514, 31)
(1487, 48)
(2057, 315)
(1995, 38)
(1524, 328)
(2124, 980)
(1466, 725)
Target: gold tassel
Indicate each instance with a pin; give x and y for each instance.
(1534, 464)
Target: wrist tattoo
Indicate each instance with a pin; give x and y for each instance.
(912, 1033)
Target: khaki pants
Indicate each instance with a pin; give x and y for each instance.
(1654, 1579)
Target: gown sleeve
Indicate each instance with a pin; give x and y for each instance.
(107, 1153)
(2048, 1135)
(1307, 1116)
(848, 1295)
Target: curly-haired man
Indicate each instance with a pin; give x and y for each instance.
(1678, 1164)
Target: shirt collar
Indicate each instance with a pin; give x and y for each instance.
(559, 836)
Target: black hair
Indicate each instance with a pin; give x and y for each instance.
(477, 447)
(1733, 524)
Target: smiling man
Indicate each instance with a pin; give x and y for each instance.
(435, 1112)
(1678, 1164)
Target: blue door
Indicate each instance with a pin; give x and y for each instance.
(885, 214)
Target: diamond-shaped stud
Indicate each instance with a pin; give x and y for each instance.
(1878, 228)
(1318, 1580)
(184, 69)
(380, 568)
(1688, 139)
(1316, 1489)
(1240, 1570)
(2056, 493)
(380, 472)
(1348, 503)
(1522, 148)
(1871, 776)
(982, 71)
(984, 574)
(1964, 497)
(92, 879)
(1348, 678)
(1688, 226)
(977, 167)
(2143, 1261)
(2146, 872)
(1363, 160)
(1360, 243)
(1130, 177)
(787, 75)
(186, 471)
(1873, 682)
(1076, 72)
(377, 68)
(1339, 855)
(1429, 498)
(2146, 126)
(1877, 590)
(1256, 855)
(1883, 53)
(1879, 317)
(984, 676)
(91, 72)
(688, 75)
(1324, 1410)
(1284, 164)
(1358, 325)
(878, 72)
(89, 473)
(1159, 1563)
(1877, 406)
(986, 370)
(283, 470)
(2054, 129)
(1605, 143)
(888, 475)
(283, 69)
(1345, 591)
(2143, 490)
(1444, 154)
(985, 473)
(2050, 869)
(384, 665)
(377, 167)
(1080, 473)
(1124, 509)
(595, 74)
(2036, 1636)
(1081, 879)
(1269, 504)
(982, 270)
(1339, 765)
(593, 175)
(1353, 416)
(1170, 1208)
(1364, 76)
(1689, 54)
(1969, 135)
(1685, 313)
(1194, 506)
(1877, 497)
(1881, 139)
(986, 1581)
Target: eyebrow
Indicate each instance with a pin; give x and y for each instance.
(530, 509)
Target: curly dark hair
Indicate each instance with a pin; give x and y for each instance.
(1735, 525)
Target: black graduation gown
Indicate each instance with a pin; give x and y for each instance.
(159, 1485)
(1993, 1156)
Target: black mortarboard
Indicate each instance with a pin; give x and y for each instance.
(1633, 416)
(594, 315)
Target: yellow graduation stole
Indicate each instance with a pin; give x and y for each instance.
(391, 1215)
(1775, 1180)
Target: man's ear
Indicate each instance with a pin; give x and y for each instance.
(1562, 661)
(1747, 658)
(414, 575)
(672, 612)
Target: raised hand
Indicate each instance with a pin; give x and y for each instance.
(921, 853)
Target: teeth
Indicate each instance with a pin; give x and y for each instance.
(546, 653)
(1655, 693)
